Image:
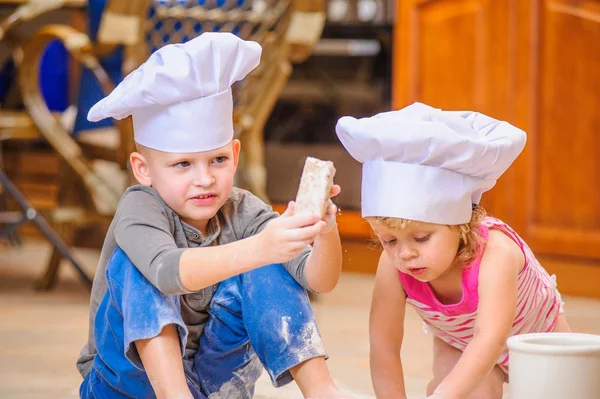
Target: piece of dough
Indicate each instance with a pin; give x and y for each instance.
(315, 187)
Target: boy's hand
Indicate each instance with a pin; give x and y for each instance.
(330, 217)
(285, 237)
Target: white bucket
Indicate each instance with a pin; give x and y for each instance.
(554, 366)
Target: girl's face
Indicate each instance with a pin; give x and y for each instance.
(423, 250)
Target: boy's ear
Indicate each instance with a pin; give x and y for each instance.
(139, 168)
(237, 145)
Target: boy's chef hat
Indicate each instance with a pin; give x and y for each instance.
(180, 98)
(428, 165)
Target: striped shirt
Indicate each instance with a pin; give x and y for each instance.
(538, 301)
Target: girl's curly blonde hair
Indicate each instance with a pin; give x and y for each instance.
(470, 233)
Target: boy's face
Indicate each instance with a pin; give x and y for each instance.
(195, 185)
(425, 251)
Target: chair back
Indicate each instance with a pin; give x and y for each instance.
(142, 26)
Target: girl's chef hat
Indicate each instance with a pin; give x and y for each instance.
(428, 165)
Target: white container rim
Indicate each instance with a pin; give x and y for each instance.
(566, 344)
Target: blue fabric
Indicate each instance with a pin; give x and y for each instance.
(54, 76)
(89, 90)
(259, 318)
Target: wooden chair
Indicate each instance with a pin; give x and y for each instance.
(10, 221)
(95, 173)
(17, 125)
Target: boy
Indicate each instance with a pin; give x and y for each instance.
(192, 267)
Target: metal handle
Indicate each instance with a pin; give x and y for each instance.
(347, 47)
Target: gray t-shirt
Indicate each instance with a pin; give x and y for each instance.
(153, 236)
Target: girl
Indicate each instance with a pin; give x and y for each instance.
(470, 277)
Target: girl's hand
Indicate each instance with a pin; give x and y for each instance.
(330, 217)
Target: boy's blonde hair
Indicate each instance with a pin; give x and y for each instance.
(470, 233)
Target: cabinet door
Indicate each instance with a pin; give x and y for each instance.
(562, 168)
(456, 55)
(536, 64)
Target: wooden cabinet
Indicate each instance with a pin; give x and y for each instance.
(458, 54)
(536, 64)
(563, 156)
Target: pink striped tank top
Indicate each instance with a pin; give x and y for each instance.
(538, 302)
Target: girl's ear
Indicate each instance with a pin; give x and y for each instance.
(139, 167)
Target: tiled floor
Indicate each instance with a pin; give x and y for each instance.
(41, 333)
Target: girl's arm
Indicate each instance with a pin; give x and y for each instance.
(386, 332)
(499, 269)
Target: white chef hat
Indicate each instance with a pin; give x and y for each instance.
(180, 98)
(428, 165)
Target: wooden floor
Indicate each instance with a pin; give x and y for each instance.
(41, 333)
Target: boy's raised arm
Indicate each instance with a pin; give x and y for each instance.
(281, 240)
(324, 264)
